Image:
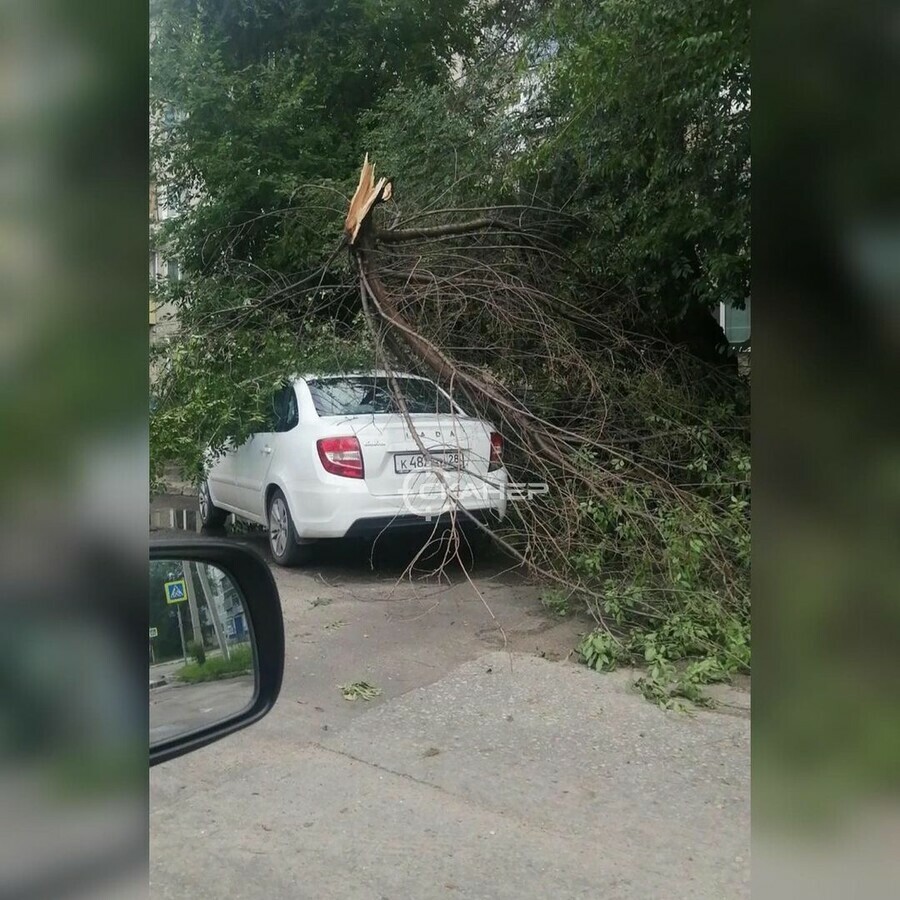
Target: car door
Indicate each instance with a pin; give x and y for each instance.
(220, 478)
(255, 459)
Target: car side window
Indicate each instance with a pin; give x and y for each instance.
(284, 409)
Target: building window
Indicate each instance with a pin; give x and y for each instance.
(735, 322)
(169, 200)
(173, 273)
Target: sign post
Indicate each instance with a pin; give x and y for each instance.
(154, 632)
(176, 593)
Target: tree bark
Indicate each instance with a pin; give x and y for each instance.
(403, 235)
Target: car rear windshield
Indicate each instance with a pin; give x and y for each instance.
(366, 395)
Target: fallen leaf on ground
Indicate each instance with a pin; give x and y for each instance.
(359, 690)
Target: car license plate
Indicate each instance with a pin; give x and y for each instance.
(419, 462)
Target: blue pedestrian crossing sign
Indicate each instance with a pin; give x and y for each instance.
(176, 591)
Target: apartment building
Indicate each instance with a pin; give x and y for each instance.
(163, 315)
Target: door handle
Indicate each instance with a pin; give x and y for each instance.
(267, 450)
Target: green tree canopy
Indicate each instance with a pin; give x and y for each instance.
(255, 100)
(648, 134)
(631, 116)
(604, 144)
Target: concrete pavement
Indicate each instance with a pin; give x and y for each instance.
(182, 708)
(490, 767)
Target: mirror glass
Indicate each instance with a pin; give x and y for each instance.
(202, 660)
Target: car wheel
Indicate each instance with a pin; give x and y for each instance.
(210, 516)
(283, 545)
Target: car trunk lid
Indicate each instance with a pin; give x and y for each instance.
(458, 450)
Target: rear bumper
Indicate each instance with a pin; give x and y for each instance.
(352, 510)
(372, 527)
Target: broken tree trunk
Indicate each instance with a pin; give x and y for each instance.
(363, 201)
(363, 238)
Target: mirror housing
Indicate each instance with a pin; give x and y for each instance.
(252, 577)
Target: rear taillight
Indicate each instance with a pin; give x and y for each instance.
(341, 456)
(496, 458)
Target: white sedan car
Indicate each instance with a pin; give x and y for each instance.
(341, 460)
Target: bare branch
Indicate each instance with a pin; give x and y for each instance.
(439, 231)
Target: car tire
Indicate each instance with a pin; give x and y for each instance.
(283, 544)
(211, 516)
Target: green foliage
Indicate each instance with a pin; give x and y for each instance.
(671, 570)
(256, 101)
(242, 526)
(647, 134)
(213, 390)
(602, 651)
(681, 647)
(359, 690)
(196, 650)
(633, 117)
(256, 144)
(215, 668)
(263, 112)
(556, 601)
(451, 142)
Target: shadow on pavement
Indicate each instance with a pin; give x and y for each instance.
(389, 555)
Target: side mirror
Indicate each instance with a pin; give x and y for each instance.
(216, 643)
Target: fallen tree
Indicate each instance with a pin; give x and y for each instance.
(634, 453)
(641, 452)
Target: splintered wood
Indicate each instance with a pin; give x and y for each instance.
(367, 195)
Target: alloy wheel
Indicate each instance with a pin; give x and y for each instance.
(278, 527)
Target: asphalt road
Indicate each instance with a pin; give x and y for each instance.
(491, 766)
(182, 708)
